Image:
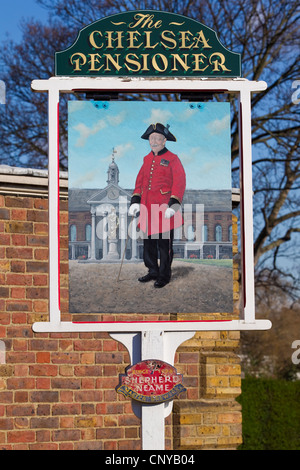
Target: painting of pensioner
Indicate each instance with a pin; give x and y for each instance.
(150, 207)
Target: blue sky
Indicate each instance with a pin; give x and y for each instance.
(96, 128)
(13, 11)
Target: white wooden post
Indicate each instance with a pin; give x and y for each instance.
(246, 207)
(153, 417)
(53, 185)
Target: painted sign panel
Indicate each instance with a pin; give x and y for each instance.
(174, 254)
(147, 43)
(151, 381)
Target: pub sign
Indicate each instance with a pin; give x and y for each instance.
(147, 43)
(151, 381)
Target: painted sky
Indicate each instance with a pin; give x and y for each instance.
(202, 131)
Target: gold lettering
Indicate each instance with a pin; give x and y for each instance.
(78, 62)
(133, 62)
(218, 63)
(148, 40)
(184, 38)
(201, 38)
(110, 39)
(168, 39)
(114, 63)
(181, 62)
(143, 20)
(92, 39)
(164, 60)
(199, 60)
(132, 38)
(145, 67)
(95, 60)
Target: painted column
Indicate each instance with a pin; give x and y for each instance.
(93, 234)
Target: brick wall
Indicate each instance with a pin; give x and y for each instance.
(57, 391)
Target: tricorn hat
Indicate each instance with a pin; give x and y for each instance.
(160, 129)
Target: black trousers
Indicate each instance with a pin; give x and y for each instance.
(158, 247)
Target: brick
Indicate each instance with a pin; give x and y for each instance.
(43, 357)
(37, 216)
(87, 345)
(16, 383)
(21, 396)
(43, 370)
(4, 239)
(66, 435)
(89, 446)
(66, 409)
(12, 201)
(19, 253)
(6, 423)
(21, 436)
(37, 293)
(194, 418)
(107, 433)
(48, 423)
(17, 266)
(20, 357)
(228, 370)
(88, 396)
(19, 227)
(229, 418)
(18, 306)
(85, 422)
(40, 306)
(18, 292)
(208, 430)
(6, 370)
(41, 397)
(107, 358)
(4, 214)
(18, 239)
(40, 280)
(4, 292)
(88, 371)
(20, 410)
(41, 204)
(37, 240)
(19, 279)
(43, 383)
(18, 214)
(4, 266)
(65, 358)
(66, 383)
(41, 228)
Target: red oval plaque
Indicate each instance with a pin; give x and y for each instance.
(151, 381)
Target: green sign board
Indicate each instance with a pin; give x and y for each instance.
(147, 43)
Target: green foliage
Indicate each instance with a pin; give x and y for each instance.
(271, 414)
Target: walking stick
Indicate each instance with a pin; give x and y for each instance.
(124, 251)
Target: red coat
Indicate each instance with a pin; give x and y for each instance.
(160, 179)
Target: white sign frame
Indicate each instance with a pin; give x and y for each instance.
(240, 87)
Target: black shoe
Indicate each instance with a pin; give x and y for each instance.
(160, 283)
(147, 278)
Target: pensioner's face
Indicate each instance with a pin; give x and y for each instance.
(157, 142)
